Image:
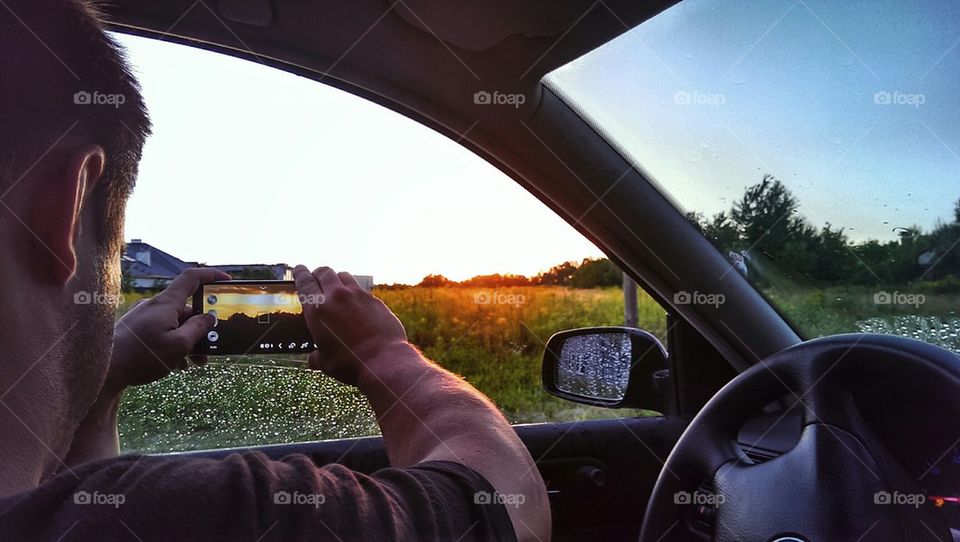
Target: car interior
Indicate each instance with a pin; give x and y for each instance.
(762, 435)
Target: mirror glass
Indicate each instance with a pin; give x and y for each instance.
(595, 365)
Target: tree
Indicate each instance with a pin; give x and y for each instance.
(696, 219)
(766, 215)
(496, 280)
(944, 241)
(597, 274)
(769, 222)
(558, 275)
(834, 262)
(719, 230)
(722, 232)
(435, 281)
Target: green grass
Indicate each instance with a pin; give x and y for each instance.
(496, 346)
(851, 309)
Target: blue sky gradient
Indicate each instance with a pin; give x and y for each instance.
(710, 95)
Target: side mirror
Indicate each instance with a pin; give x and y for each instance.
(613, 367)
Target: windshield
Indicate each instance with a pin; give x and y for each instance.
(814, 143)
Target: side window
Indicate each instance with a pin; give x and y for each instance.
(256, 170)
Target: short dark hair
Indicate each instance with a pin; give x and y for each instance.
(61, 75)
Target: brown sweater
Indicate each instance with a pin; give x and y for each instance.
(251, 497)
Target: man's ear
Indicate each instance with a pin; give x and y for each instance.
(61, 194)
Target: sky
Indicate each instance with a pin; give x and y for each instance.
(712, 94)
(249, 164)
(854, 106)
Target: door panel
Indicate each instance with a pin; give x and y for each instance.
(599, 473)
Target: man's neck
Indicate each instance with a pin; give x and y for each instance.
(32, 408)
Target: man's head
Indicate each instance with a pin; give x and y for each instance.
(72, 127)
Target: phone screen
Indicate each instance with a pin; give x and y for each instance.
(253, 317)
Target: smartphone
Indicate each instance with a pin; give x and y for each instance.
(253, 317)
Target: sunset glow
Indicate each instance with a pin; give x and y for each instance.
(249, 299)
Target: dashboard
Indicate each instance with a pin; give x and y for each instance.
(922, 443)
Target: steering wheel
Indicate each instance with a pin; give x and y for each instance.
(839, 482)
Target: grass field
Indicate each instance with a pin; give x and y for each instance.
(494, 339)
(849, 309)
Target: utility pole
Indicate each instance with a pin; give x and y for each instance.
(630, 314)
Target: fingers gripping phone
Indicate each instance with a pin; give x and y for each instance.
(253, 317)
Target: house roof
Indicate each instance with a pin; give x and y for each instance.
(167, 266)
(161, 264)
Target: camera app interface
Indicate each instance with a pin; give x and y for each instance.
(254, 319)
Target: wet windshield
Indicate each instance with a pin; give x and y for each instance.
(816, 144)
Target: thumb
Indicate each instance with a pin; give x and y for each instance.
(191, 331)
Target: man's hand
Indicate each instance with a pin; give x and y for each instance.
(350, 326)
(149, 342)
(155, 337)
